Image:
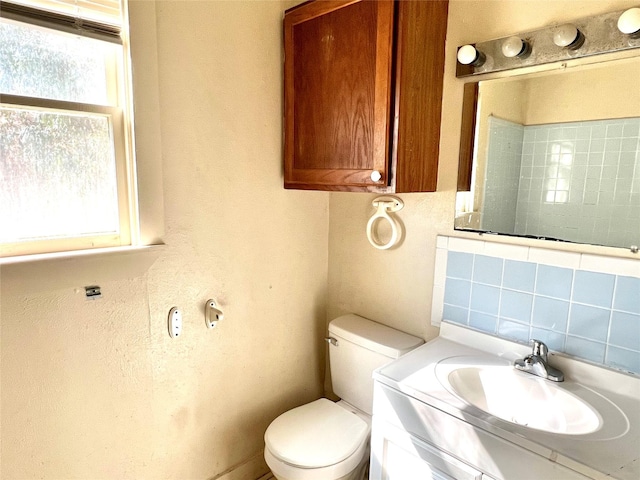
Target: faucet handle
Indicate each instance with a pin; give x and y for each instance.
(539, 349)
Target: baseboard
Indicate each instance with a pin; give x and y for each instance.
(253, 468)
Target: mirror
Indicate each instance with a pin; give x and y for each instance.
(554, 155)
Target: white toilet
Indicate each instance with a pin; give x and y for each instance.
(323, 440)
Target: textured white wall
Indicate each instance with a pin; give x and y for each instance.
(97, 389)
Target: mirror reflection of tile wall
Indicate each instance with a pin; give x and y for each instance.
(504, 167)
(578, 181)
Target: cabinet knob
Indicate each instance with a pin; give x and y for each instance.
(376, 176)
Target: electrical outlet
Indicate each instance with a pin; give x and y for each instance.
(175, 322)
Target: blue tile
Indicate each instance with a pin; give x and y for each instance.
(455, 314)
(553, 340)
(626, 360)
(457, 292)
(596, 146)
(627, 296)
(593, 288)
(584, 131)
(459, 265)
(487, 270)
(519, 275)
(629, 145)
(630, 130)
(589, 322)
(586, 349)
(555, 133)
(625, 330)
(542, 134)
(598, 130)
(485, 298)
(554, 281)
(613, 144)
(482, 321)
(529, 135)
(582, 144)
(513, 330)
(516, 305)
(550, 313)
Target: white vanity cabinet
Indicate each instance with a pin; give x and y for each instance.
(413, 440)
(422, 429)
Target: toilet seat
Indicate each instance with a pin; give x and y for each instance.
(345, 469)
(316, 435)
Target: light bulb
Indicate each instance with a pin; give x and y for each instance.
(629, 22)
(515, 47)
(568, 36)
(468, 55)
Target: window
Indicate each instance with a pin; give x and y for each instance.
(558, 172)
(66, 166)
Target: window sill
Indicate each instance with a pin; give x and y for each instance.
(54, 271)
(93, 252)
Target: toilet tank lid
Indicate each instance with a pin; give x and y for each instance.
(374, 336)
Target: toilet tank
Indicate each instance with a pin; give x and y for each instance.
(363, 346)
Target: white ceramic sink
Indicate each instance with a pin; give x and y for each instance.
(495, 387)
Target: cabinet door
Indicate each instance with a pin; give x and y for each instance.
(338, 57)
(398, 455)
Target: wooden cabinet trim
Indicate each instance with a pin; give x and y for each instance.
(313, 8)
(382, 105)
(468, 128)
(419, 78)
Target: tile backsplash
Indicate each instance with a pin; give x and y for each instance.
(526, 293)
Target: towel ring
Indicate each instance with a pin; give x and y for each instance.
(384, 206)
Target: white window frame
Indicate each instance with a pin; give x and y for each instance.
(120, 119)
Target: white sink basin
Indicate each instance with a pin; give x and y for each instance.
(496, 388)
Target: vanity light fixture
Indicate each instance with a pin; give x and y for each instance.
(560, 43)
(568, 36)
(629, 22)
(516, 47)
(469, 55)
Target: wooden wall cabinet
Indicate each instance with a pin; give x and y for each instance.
(363, 94)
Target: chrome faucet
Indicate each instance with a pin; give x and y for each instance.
(538, 363)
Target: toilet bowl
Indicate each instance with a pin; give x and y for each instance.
(321, 440)
(324, 440)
